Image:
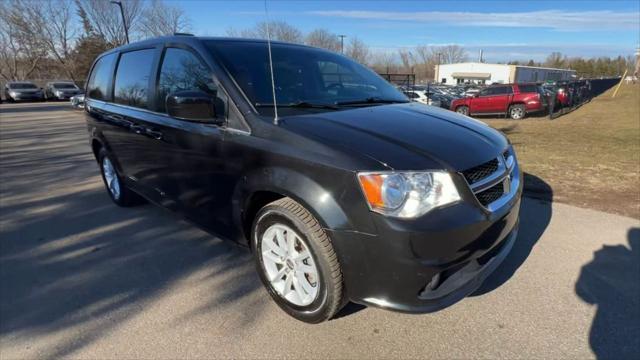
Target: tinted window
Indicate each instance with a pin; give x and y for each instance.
(496, 90)
(22, 86)
(528, 88)
(301, 74)
(182, 70)
(101, 77)
(132, 78)
(64, 86)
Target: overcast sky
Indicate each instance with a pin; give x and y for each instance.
(506, 30)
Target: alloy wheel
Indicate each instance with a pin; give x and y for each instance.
(111, 178)
(516, 113)
(289, 266)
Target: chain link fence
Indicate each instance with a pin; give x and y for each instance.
(569, 96)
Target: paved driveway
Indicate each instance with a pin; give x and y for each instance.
(82, 278)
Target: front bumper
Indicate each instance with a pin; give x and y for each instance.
(20, 97)
(427, 264)
(64, 96)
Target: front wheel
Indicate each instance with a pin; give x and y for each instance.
(517, 112)
(464, 110)
(296, 261)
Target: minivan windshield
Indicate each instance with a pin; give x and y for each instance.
(64, 86)
(306, 79)
(22, 86)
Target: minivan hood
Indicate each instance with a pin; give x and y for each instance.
(407, 136)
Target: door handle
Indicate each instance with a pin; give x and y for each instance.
(154, 134)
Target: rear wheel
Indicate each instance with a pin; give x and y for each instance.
(117, 190)
(517, 112)
(296, 261)
(464, 110)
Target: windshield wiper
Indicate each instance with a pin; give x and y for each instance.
(371, 100)
(300, 104)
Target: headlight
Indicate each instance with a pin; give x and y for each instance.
(13, 93)
(407, 194)
(58, 93)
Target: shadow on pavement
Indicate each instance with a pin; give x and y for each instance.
(535, 215)
(75, 266)
(611, 282)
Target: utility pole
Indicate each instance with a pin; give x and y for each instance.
(342, 43)
(124, 22)
(437, 77)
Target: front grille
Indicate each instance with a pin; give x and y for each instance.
(481, 171)
(491, 194)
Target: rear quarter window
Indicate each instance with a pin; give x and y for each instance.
(100, 78)
(131, 85)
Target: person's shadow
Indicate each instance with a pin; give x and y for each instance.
(611, 281)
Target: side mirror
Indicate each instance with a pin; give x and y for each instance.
(195, 105)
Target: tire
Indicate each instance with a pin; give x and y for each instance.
(464, 110)
(281, 221)
(123, 197)
(517, 112)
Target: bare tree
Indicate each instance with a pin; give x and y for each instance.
(323, 38)
(384, 62)
(426, 58)
(160, 19)
(358, 50)
(50, 25)
(451, 54)
(555, 60)
(105, 20)
(408, 60)
(20, 51)
(279, 30)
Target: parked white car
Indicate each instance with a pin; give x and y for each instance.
(421, 97)
(417, 95)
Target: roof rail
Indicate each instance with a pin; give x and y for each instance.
(182, 34)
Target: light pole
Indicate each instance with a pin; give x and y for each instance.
(342, 43)
(438, 67)
(124, 22)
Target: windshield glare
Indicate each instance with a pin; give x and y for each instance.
(301, 74)
(22, 86)
(64, 86)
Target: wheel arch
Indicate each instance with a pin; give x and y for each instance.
(266, 185)
(96, 145)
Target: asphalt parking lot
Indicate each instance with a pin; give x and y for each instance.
(82, 278)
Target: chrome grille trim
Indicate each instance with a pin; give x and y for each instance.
(507, 174)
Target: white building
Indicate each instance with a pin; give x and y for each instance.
(482, 73)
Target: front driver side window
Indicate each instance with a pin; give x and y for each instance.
(181, 70)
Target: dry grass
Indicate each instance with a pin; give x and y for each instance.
(590, 157)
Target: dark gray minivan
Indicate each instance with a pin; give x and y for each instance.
(344, 191)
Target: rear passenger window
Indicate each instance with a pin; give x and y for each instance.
(181, 70)
(100, 78)
(498, 90)
(132, 78)
(528, 88)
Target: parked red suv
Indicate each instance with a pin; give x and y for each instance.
(514, 99)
